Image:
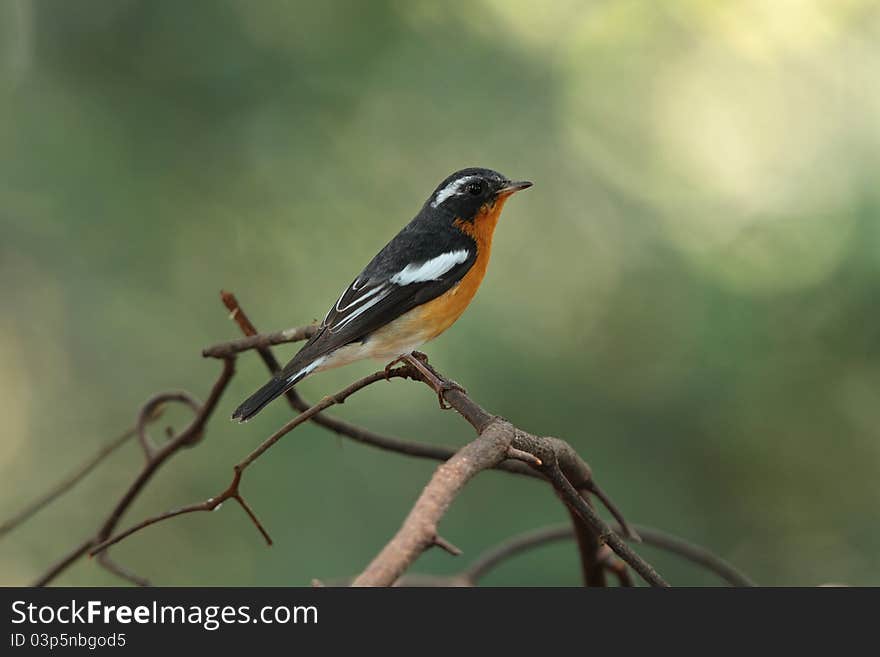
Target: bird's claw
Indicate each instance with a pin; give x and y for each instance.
(420, 355)
(390, 366)
(445, 386)
(419, 362)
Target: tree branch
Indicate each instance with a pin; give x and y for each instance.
(564, 488)
(155, 458)
(232, 491)
(410, 540)
(420, 527)
(499, 445)
(521, 543)
(479, 419)
(63, 563)
(696, 554)
(516, 462)
(259, 341)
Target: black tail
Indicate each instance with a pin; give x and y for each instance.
(255, 403)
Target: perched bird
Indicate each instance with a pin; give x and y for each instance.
(413, 290)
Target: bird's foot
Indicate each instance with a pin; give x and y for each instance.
(422, 356)
(390, 366)
(445, 386)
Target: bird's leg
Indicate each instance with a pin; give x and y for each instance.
(421, 355)
(441, 385)
(399, 359)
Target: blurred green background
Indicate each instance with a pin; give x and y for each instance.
(688, 294)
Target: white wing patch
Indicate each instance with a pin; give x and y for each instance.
(351, 308)
(451, 189)
(430, 270)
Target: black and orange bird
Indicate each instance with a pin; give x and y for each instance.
(415, 288)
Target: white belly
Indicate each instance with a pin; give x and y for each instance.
(401, 336)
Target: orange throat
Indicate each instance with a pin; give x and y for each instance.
(442, 312)
(482, 228)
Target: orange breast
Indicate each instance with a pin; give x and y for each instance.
(426, 322)
(441, 313)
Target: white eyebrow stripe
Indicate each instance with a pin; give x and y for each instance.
(360, 311)
(357, 300)
(430, 270)
(452, 188)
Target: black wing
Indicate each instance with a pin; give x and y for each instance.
(391, 285)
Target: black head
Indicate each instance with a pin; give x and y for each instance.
(465, 192)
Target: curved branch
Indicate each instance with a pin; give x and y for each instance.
(518, 461)
(420, 527)
(514, 546)
(604, 533)
(696, 554)
(412, 538)
(157, 456)
(521, 543)
(498, 445)
(232, 490)
(150, 407)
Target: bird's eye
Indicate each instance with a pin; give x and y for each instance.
(475, 188)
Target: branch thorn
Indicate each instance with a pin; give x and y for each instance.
(443, 544)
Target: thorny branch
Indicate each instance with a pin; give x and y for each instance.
(232, 490)
(495, 438)
(499, 445)
(589, 540)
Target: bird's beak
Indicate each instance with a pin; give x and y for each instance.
(513, 187)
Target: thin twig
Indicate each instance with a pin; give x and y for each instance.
(232, 490)
(559, 459)
(514, 546)
(157, 456)
(615, 566)
(603, 531)
(696, 554)
(626, 530)
(524, 542)
(499, 444)
(190, 433)
(111, 566)
(153, 405)
(63, 563)
(211, 504)
(259, 341)
(420, 525)
(446, 546)
(589, 545)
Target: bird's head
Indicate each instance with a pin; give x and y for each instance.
(472, 194)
